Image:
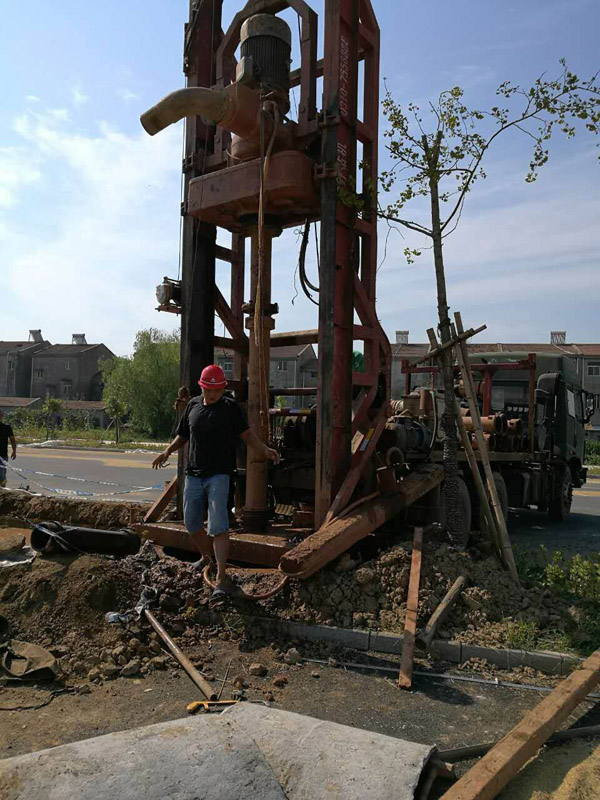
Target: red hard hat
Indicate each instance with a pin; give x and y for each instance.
(213, 377)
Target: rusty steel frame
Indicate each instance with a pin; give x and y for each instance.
(348, 231)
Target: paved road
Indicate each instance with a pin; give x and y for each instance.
(528, 529)
(125, 469)
(580, 534)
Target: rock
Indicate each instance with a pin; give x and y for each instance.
(280, 681)
(238, 694)
(84, 689)
(269, 697)
(131, 668)
(106, 655)
(155, 647)
(119, 651)
(239, 682)
(134, 645)
(364, 575)
(159, 662)
(110, 670)
(59, 650)
(526, 602)
(345, 563)
(94, 674)
(258, 669)
(11, 542)
(315, 674)
(292, 656)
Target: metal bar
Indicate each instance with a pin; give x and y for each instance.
(531, 415)
(410, 623)
(489, 776)
(204, 686)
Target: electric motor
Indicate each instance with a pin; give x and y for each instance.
(265, 47)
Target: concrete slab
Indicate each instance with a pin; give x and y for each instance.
(248, 752)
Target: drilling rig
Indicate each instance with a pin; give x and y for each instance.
(253, 170)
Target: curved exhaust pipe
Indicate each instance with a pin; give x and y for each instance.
(193, 101)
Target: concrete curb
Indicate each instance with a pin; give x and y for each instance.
(391, 643)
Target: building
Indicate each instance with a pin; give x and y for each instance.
(69, 371)
(10, 404)
(294, 366)
(15, 364)
(586, 357)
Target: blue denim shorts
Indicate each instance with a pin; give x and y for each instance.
(200, 492)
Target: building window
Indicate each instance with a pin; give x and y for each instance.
(10, 364)
(39, 374)
(66, 390)
(282, 366)
(593, 368)
(227, 366)
(67, 365)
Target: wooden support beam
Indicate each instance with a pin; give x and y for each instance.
(504, 540)
(231, 322)
(288, 339)
(237, 345)
(490, 775)
(410, 623)
(360, 459)
(442, 611)
(163, 501)
(455, 340)
(224, 253)
(330, 541)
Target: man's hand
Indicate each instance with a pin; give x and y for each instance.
(13, 455)
(161, 459)
(271, 454)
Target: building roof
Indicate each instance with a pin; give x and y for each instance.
(7, 347)
(66, 349)
(18, 402)
(293, 351)
(419, 349)
(83, 405)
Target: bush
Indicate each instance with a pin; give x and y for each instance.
(592, 453)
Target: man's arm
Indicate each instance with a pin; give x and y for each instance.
(252, 440)
(13, 443)
(160, 460)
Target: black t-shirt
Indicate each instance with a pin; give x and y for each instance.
(5, 434)
(212, 432)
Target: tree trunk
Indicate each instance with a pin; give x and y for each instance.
(454, 521)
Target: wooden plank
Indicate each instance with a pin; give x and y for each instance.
(488, 777)
(504, 540)
(330, 541)
(442, 611)
(412, 603)
(440, 348)
(163, 501)
(360, 459)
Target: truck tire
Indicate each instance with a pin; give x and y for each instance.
(502, 493)
(559, 507)
(464, 498)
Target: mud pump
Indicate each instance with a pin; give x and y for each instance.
(349, 463)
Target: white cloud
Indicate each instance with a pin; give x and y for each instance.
(114, 230)
(79, 97)
(127, 95)
(16, 171)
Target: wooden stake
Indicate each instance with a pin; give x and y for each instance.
(505, 545)
(410, 624)
(488, 777)
(442, 611)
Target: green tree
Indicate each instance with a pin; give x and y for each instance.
(145, 382)
(443, 164)
(116, 410)
(51, 406)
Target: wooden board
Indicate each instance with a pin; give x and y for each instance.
(489, 776)
(412, 603)
(442, 611)
(163, 501)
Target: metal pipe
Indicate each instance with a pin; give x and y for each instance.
(192, 101)
(204, 686)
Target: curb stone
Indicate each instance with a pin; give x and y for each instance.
(391, 643)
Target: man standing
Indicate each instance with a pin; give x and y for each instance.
(6, 434)
(211, 424)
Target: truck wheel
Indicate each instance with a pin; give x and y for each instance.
(502, 493)
(465, 504)
(559, 507)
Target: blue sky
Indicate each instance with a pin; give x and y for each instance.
(89, 203)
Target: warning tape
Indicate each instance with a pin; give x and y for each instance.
(75, 492)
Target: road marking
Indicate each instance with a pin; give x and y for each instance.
(586, 493)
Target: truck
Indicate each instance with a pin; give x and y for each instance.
(534, 411)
